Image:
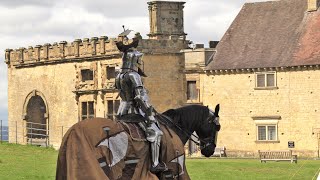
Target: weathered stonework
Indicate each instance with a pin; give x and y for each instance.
(294, 105)
(57, 75)
(166, 20)
(53, 72)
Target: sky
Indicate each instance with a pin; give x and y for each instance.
(31, 22)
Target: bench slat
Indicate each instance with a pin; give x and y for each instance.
(285, 155)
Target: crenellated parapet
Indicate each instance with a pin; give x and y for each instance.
(58, 52)
(84, 49)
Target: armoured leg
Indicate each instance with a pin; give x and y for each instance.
(154, 135)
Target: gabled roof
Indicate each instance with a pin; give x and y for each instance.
(270, 34)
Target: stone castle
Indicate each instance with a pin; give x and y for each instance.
(264, 73)
(62, 83)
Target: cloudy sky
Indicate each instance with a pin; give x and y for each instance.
(30, 22)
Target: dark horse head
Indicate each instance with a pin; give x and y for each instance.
(199, 119)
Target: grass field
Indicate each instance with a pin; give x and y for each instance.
(251, 169)
(29, 162)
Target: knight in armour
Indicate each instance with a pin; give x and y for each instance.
(134, 98)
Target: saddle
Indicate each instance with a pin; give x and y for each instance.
(131, 118)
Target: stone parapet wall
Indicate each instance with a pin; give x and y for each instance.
(63, 50)
(83, 49)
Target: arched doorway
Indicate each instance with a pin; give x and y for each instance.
(36, 117)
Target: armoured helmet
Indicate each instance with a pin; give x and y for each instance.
(132, 60)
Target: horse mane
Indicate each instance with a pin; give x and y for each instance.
(189, 118)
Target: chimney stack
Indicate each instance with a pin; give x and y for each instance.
(166, 20)
(313, 5)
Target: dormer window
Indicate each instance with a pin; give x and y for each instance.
(86, 75)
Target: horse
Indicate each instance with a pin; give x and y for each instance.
(100, 148)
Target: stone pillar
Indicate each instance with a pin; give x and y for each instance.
(46, 51)
(21, 54)
(85, 43)
(54, 53)
(94, 45)
(30, 54)
(37, 52)
(62, 45)
(76, 44)
(7, 56)
(103, 44)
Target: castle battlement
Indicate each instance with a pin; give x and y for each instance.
(84, 49)
(79, 48)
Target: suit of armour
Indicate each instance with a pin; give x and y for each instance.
(135, 100)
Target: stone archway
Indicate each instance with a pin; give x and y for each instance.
(35, 113)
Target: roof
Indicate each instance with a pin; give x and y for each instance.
(270, 34)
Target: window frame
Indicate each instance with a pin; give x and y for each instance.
(266, 86)
(88, 80)
(88, 115)
(267, 132)
(188, 92)
(107, 73)
(114, 107)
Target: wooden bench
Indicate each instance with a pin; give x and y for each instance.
(277, 156)
(219, 151)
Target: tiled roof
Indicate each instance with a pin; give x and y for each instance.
(270, 34)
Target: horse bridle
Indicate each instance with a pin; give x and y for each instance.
(206, 141)
(209, 140)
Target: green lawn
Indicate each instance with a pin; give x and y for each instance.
(251, 169)
(29, 162)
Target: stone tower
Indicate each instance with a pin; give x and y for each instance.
(166, 20)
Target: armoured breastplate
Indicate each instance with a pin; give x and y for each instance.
(125, 86)
(127, 93)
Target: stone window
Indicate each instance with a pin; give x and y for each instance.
(86, 75)
(111, 72)
(192, 92)
(87, 110)
(265, 80)
(266, 128)
(266, 132)
(112, 108)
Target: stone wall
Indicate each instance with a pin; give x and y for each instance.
(165, 81)
(86, 49)
(54, 71)
(56, 83)
(295, 101)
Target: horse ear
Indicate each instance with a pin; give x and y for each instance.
(216, 110)
(170, 113)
